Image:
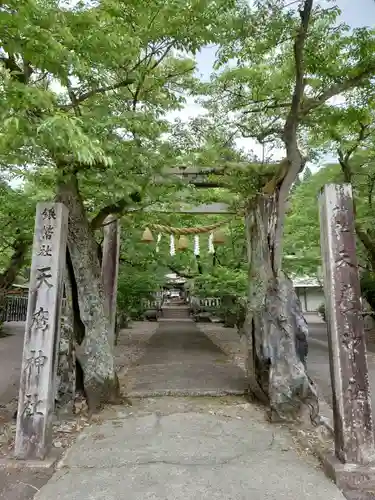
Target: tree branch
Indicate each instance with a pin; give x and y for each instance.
(266, 107)
(115, 208)
(27, 70)
(362, 136)
(17, 73)
(294, 157)
(126, 82)
(344, 157)
(345, 167)
(347, 83)
(292, 120)
(148, 70)
(100, 90)
(271, 130)
(344, 160)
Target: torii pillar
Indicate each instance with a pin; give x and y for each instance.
(110, 267)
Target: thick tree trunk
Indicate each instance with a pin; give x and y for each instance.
(275, 327)
(110, 268)
(95, 354)
(66, 369)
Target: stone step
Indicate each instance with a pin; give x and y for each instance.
(176, 306)
(175, 312)
(175, 320)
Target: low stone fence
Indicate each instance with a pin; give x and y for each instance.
(15, 309)
(205, 302)
(152, 304)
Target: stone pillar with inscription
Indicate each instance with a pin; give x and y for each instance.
(352, 465)
(110, 266)
(40, 352)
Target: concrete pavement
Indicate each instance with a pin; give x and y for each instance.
(172, 448)
(318, 362)
(187, 449)
(10, 355)
(182, 361)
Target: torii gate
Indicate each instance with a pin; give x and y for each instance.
(209, 209)
(193, 176)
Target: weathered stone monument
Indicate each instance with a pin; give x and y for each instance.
(110, 266)
(352, 466)
(39, 362)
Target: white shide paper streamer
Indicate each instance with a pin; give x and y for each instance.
(211, 248)
(158, 243)
(196, 244)
(172, 246)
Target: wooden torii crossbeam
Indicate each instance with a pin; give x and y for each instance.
(199, 178)
(211, 208)
(196, 176)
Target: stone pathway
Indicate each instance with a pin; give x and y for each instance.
(172, 448)
(10, 361)
(181, 360)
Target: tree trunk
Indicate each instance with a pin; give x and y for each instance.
(66, 369)
(275, 327)
(110, 268)
(94, 353)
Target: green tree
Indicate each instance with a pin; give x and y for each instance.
(302, 232)
(302, 229)
(289, 64)
(306, 174)
(349, 133)
(84, 92)
(17, 211)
